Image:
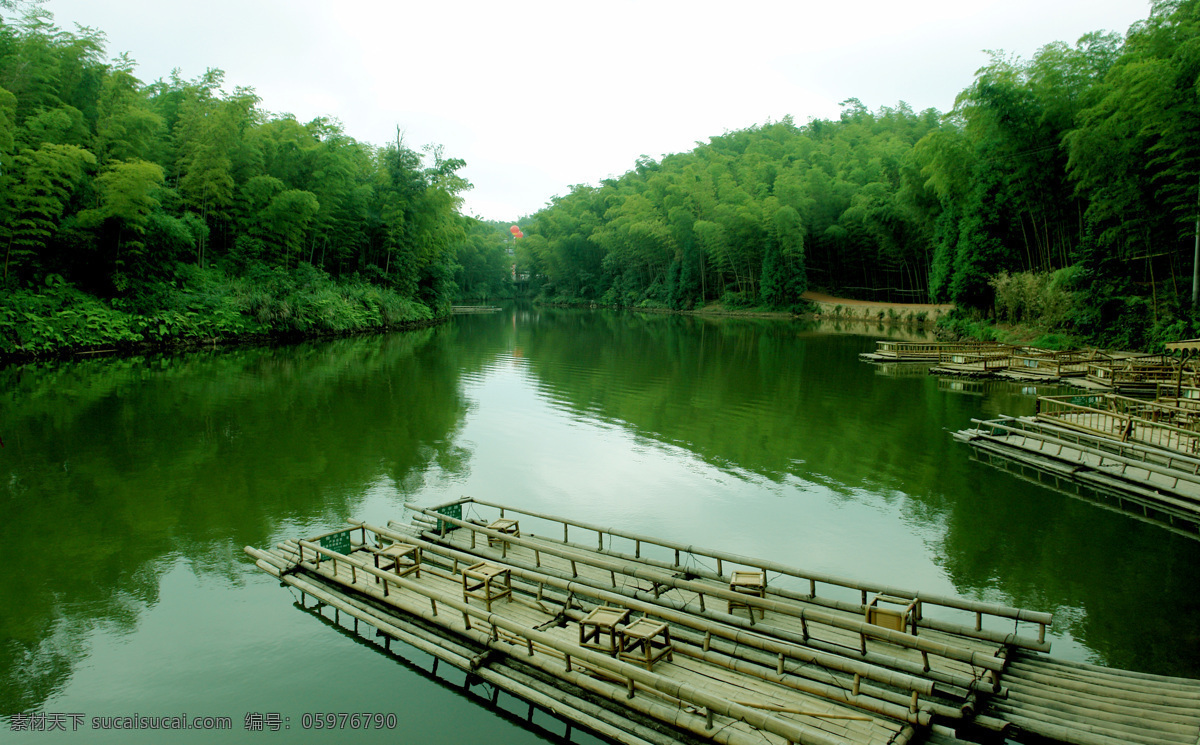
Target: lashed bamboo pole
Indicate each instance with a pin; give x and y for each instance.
(1045, 722)
(819, 681)
(862, 628)
(647, 678)
(1130, 690)
(1139, 721)
(993, 609)
(694, 620)
(1181, 712)
(824, 682)
(832, 693)
(927, 623)
(803, 712)
(589, 715)
(949, 683)
(1189, 684)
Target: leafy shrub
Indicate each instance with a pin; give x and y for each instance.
(201, 304)
(1043, 298)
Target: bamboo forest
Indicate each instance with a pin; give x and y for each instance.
(1059, 190)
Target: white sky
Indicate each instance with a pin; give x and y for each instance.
(538, 95)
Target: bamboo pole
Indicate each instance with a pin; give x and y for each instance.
(1105, 688)
(993, 609)
(724, 630)
(803, 712)
(832, 693)
(928, 623)
(647, 678)
(862, 628)
(1043, 722)
(1098, 670)
(1181, 713)
(824, 682)
(1139, 721)
(594, 718)
(660, 606)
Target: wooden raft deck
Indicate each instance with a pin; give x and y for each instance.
(1154, 475)
(797, 664)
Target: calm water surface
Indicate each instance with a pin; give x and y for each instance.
(128, 488)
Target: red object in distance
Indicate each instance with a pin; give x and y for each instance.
(514, 230)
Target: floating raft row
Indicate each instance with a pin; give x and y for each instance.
(464, 309)
(1085, 368)
(644, 641)
(1149, 467)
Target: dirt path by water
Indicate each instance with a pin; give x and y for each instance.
(828, 305)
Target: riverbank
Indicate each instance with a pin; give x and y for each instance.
(202, 308)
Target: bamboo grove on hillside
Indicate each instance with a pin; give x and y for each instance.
(1078, 168)
(1063, 189)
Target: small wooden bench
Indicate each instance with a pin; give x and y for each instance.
(752, 583)
(486, 582)
(401, 558)
(598, 629)
(505, 526)
(645, 642)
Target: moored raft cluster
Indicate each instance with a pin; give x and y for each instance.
(1087, 368)
(647, 641)
(1139, 455)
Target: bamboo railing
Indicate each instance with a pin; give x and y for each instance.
(814, 579)
(1117, 418)
(1054, 364)
(1119, 455)
(927, 351)
(565, 659)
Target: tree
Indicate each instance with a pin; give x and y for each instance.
(35, 196)
(127, 191)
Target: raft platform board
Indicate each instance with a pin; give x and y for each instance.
(803, 658)
(1154, 476)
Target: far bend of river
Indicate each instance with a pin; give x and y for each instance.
(128, 488)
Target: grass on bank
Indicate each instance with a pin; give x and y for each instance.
(199, 305)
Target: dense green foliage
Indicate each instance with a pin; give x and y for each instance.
(1085, 158)
(176, 210)
(1062, 191)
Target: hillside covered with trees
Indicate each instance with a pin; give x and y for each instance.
(1064, 190)
(133, 212)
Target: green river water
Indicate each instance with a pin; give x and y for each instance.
(128, 488)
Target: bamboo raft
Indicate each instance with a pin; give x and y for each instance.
(887, 350)
(645, 641)
(1163, 478)
(1073, 482)
(1088, 368)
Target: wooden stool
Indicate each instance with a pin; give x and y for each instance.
(402, 558)
(598, 629)
(478, 582)
(897, 620)
(645, 642)
(748, 582)
(506, 526)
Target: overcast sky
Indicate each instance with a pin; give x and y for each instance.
(539, 95)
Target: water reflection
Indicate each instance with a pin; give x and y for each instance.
(118, 472)
(112, 468)
(780, 402)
